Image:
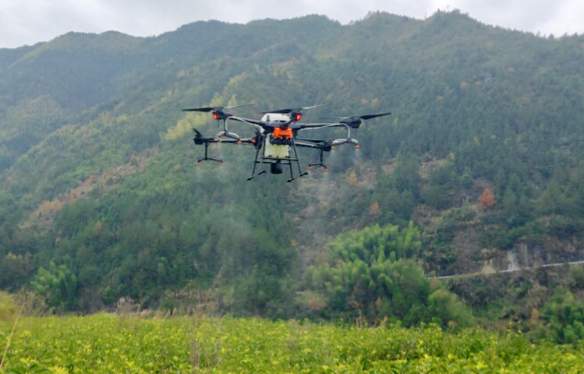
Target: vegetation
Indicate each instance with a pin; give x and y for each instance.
(106, 343)
(565, 318)
(372, 272)
(100, 199)
(7, 307)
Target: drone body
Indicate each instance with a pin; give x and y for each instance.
(277, 146)
(276, 138)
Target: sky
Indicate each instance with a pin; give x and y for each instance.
(27, 22)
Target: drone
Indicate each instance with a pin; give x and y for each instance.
(277, 137)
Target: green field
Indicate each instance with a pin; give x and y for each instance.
(115, 344)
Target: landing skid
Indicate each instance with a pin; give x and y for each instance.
(319, 163)
(207, 157)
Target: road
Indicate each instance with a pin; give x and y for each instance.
(468, 275)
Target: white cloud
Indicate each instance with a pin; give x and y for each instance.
(31, 21)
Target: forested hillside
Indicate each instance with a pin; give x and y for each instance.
(478, 169)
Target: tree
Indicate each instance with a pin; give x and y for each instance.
(372, 274)
(564, 315)
(487, 198)
(58, 285)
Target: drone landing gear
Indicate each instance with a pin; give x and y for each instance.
(258, 174)
(298, 176)
(207, 157)
(300, 173)
(319, 163)
(276, 164)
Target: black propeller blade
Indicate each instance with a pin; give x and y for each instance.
(369, 116)
(204, 109)
(355, 121)
(214, 109)
(218, 112)
(354, 118)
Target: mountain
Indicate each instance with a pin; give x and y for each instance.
(100, 197)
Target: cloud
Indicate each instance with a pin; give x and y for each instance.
(567, 20)
(511, 14)
(31, 21)
(545, 16)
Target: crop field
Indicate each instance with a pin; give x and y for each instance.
(107, 343)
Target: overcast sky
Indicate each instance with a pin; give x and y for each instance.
(31, 21)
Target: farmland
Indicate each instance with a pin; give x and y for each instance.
(106, 343)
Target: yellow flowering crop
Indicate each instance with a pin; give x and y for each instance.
(107, 343)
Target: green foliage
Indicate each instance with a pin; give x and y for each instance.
(14, 270)
(372, 272)
(564, 315)
(107, 343)
(7, 306)
(445, 306)
(577, 275)
(376, 244)
(443, 185)
(96, 163)
(58, 285)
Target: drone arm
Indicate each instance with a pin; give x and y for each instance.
(226, 136)
(251, 122)
(337, 141)
(200, 140)
(303, 144)
(316, 126)
(345, 141)
(235, 141)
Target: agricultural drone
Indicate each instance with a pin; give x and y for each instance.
(276, 138)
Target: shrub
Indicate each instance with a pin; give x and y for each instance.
(7, 306)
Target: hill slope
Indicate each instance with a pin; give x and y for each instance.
(99, 177)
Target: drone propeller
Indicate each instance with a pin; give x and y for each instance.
(203, 109)
(355, 121)
(363, 117)
(214, 109)
(218, 112)
(370, 116)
